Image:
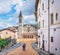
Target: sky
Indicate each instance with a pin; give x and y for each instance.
(10, 9)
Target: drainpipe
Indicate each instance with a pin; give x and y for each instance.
(49, 26)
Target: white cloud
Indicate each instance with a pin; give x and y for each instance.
(5, 5)
(10, 19)
(29, 19)
(5, 23)
(9, 25)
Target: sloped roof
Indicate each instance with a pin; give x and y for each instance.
(7, 29)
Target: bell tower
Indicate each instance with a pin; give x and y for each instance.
(20, 25)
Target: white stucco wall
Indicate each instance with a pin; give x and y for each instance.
(56, 41)
(54, 8)
(43, 16)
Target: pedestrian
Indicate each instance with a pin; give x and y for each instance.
(24, 46)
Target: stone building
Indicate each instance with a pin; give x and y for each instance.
(8, 33)
(29, 31)
(48, 17)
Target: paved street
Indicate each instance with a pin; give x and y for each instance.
(29, 49)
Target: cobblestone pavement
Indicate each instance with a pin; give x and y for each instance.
(29, 49)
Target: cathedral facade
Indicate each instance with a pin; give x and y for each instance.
(29, 31)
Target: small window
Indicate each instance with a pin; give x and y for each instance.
(28, 29)
(56, 16)
(43, 6)
(39, 11)
(20, 20)
(39, 25)
(51, 18)
(56, 49)
(43, 23)
(10, 36)
(52, 1)
(51, 39)
(6, 32)
(32, 36)
(28, 36)
(39, 36)
(54, 29)
(43, 36)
